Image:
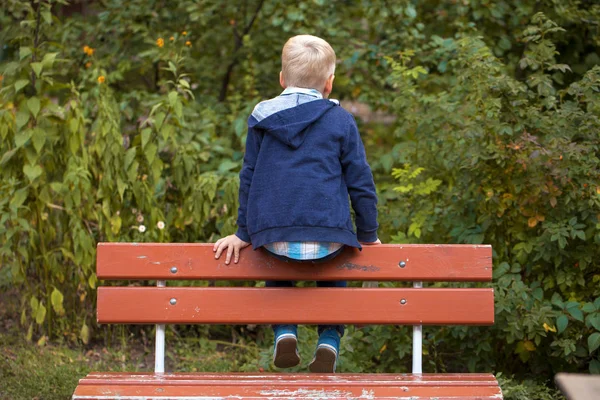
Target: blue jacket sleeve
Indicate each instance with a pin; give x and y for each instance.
(359, 181)
(253, 141)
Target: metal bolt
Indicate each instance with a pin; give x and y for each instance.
(173, 301)
(403, 301)
(173, 270)
(402, 264)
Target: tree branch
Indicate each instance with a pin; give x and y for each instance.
(36, 42)
(239, 43)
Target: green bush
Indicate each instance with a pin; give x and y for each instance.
(513, 164)
(125, 121)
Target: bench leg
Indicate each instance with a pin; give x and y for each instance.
(417, 364)
(159, 352)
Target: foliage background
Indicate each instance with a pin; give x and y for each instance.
(487, 131)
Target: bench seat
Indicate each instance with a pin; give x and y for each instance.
(286, 386)
(417, 306)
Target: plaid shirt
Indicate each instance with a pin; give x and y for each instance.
(303, 250)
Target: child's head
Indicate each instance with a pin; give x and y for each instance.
(308, 62)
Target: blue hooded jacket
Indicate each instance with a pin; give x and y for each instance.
(300, 165)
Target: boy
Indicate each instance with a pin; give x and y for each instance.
(304, 156)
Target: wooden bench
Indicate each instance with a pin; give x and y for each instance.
(415, 306)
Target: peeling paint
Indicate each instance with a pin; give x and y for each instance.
(307, 393)
(365, 268)
(142, 256)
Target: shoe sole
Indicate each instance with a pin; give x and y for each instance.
(286, 354)
(324, 361)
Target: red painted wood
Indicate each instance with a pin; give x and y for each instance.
(292, 386)
(256, 378)
(295, 305)
(379, 263)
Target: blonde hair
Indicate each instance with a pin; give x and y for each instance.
(307, 62)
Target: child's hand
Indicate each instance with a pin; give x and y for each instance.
(371, 243)
(233, 244)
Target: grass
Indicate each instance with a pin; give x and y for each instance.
(29, 371)
(51, 372)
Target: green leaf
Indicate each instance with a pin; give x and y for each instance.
(84, 335)
(159, 118)
(595, 367)
(15, 202)
(40, 315)
(20, 84)
(172, 98)
(150, 152)
(589, 308)
(121, 186)
(29, 333)
(22, 119)
(24, 52)
(34, 106)
(34, 304)
(49, 59)
(92, 281)
(42, 341)
(561, 323)
(593, 342)
(155, 107)
(8, 155)
(594, 320)
(37, 68)
(38, 139)
(227, 165)
(576, 313)
(47, 15)
(32, 171)
(146, 136)
(57, 301)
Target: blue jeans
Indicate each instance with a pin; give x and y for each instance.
(321, 328)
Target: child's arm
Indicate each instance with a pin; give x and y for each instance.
(235, 243)
(361, 187)
(253, 141)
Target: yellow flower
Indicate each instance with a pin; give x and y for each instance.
(88, 50)
(184, 33)
(549, 328)
(88, 64)
(160, 42)
(188, 43)
(101, 79)
(172, 38)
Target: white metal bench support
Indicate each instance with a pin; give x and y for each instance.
(159, 353)
(417, 364)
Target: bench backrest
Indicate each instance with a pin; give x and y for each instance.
(243, 305)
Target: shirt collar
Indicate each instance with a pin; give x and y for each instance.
(309, 92)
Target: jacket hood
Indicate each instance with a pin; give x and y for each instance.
(289, 126)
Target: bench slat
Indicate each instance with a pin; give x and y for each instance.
(198, 386)
(377, 263)
(243, 377)
(151, 305)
